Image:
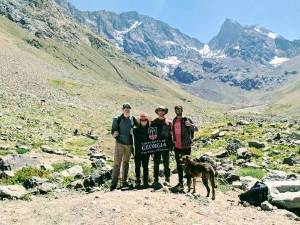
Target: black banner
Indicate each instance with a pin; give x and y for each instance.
(154, 143)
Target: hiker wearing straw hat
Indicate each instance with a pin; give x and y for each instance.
(165, 128)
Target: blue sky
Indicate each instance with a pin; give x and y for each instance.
(202, 18)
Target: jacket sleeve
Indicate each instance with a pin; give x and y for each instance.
(194, 127)
(114, 126)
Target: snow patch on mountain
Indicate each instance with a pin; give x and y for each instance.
(91, 22)
(272, 35)
(170, 43)
(276, 61)
(119, 35)
(170, 60)
(206, 52)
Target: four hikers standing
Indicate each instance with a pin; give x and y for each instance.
(130, 133)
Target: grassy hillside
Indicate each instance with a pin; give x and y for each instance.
(285, 100)
(49, 89)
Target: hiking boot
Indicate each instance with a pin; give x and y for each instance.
(126, 186)
(156, 186)
(138, 185)
(113, 187)
(179, 188)
(146, 185)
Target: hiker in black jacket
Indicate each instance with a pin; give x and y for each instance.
(141, 135)
(164, 128)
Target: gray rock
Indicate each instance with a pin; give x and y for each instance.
(13, 192)
(7, 174)
(243, 122)
(284, 193)
(266, 206)
(221, 154)
(33, 182)
(46, 167)
(251, 165)
(17, 162)
(237, 184)
(290, 161)
(46, 187)
(72, 172)
(233, 145)
(243, 153)
(51, 150)
(256, 144)
(77, 184)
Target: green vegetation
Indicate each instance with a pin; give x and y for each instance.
(24, 174)
(78, 145)
(252, 172)
(58, 167)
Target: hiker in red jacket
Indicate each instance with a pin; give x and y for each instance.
(183, 134)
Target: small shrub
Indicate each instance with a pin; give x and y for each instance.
(58, 167)
(24, 174)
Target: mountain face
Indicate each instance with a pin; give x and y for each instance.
(239, 56)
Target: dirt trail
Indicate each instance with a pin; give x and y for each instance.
(135, 207)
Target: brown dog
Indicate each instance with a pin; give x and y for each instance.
(194, 169)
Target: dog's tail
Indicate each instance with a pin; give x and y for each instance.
(213, 179)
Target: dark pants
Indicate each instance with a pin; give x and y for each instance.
(165, 155)
(178, 154)
(141, 160)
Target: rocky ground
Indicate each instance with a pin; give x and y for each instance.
(59, 187)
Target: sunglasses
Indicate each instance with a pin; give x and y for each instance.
(143, 120)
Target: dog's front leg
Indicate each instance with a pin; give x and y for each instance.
(189, 182)
(194, 185)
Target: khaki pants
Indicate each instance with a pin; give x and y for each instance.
(122, 155)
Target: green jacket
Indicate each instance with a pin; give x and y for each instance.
(123, 125)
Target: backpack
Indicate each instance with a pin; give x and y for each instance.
(119, 121)
(256, 195)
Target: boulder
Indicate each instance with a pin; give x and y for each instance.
(72, 172)
(251, 165)
(33, 182)
(13, 192)
(284, 193)
(46, 187)
(77, 184)
(217, 133)
(7, 174)
(248, 182)
(221, 154)
(98, 163)
(277, 175)
(290, 161)
(243, 153)
(50, 150)
(46, 167)
(242, 122)
(16, 162)
(233, 145)
(237, 184)
(266, 206)
(256, 144)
